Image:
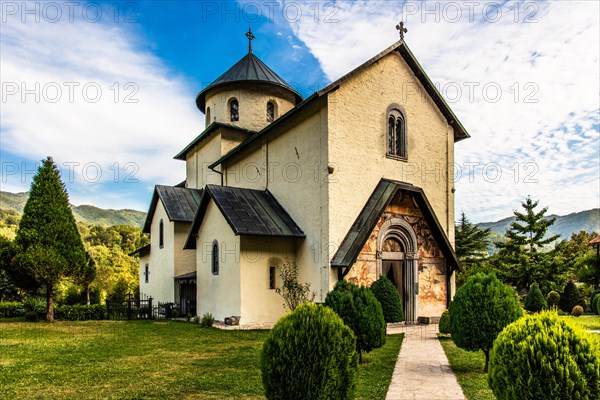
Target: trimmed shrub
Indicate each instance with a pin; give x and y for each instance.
(571, 298)
(207, 320)
(445, 322)
(534, 301)
(481, 308)
(543, 357)
(360, 310)
(11, 309)
(31, 316)
(596, 304)
(577, 311)
(552, 299)
(386, 293)
(80, 312)
(309, 354)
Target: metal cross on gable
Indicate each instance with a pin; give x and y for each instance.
(401, 29)
(250, 37)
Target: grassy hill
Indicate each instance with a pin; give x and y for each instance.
(12, 203)
(564, 226)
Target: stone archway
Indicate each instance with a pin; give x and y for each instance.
(397, 258)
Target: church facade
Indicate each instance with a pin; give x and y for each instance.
(353, 182)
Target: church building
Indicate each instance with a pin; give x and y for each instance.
(353, 182)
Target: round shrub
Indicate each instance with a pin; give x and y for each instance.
(535, 301)
(544, 357)
(360, 310)
(445, 322)
(309, 354)
(481, 308)
(389, 298)
(553, 298)
(577, 311)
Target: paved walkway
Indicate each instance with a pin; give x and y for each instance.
(422, 370)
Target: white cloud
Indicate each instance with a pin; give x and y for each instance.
(52, 59)
(542, 56)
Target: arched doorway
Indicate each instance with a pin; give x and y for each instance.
(397, 260)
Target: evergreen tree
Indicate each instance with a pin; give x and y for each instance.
(535, 301)
(48, 243)
(86, 275)
(570, 298)
(521, 258)
(472, 243)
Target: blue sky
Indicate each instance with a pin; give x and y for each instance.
(108, 88)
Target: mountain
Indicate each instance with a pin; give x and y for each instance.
(15, 202)
(565, 225)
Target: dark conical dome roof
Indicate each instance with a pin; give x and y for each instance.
(249, 69)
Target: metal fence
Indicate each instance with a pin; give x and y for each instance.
(131, 308)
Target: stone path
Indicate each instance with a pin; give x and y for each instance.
(422, 370)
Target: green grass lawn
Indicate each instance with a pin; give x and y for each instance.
(148, 359)
(468, 367)
(588, 322)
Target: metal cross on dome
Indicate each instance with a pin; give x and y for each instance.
(250, 37)
(401, 29)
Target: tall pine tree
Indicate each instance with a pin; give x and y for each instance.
(522, 257)
(48, 244)
(472, 243)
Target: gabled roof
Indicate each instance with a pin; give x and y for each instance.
(247, 211)
(249, 69)
(401, 47)
(206, 134)
(595, 241)
(179, 202)
(366, 221)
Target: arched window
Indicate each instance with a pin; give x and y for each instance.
(215, 258)
(270, 111)
(161, 234)
(207, 116)
(396, 134)
(234, 110)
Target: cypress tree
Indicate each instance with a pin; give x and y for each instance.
(535, 301)
(48, 243)
(571, 298)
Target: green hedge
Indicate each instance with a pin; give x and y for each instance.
(387, 294)
(11, 309)
(544, 357)
(80, 312)
(445, 323)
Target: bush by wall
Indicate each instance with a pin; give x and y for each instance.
(79, 312)
(481, 308)
(544, 357)
(360, 310)
(386, 293)
(445, 322)
(309, 354)
(535, 301)
(552, 299)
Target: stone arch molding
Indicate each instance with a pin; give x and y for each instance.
(402, 231)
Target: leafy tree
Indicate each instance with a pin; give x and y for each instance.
(571, 298)
(587, 268)
(522, 258)
(535, 301)
(293, 292)
(49, 246)
(389, 298)
(86, 275)
(481, 308)
(8, 289)
(361, 311)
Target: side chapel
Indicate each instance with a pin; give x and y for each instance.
(353, 182)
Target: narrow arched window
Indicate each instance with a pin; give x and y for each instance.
(234, 110)
(396, 134)
(161, 234)
(215, 258)
(207, 116)
(270, 111)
